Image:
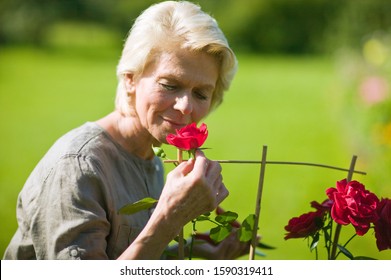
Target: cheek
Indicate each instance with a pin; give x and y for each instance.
(149, 98)
(201, 111)
(163, 102)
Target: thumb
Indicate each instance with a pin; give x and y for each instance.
(201, 163)
(185, 167)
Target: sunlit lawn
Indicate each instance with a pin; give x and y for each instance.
(281, 102)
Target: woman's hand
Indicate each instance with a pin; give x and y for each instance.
(193, 188)
(228, 249)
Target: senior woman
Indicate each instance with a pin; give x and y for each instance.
(175, 66)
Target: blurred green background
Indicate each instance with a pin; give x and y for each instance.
(313, 85)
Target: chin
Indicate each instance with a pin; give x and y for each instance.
(159, 139)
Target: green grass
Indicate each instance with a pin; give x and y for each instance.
(281, 102)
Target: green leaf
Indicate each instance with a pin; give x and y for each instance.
(259, 253)
(138, 206)
(250, 221)
(244, 234)
(326, 234)
(363, 258)
(191, 153)
(219, 233)
(202, 218)
(314, 242)
(226, 217)
(345, 252)
(265, 246)
(245, 231)
(158, 151)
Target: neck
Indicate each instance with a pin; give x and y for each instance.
(127, 132)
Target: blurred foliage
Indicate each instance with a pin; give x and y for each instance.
(363, 98)
(358, 20)
(283, 26)
(361, 39)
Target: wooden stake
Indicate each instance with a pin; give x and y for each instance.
(181, 245)
(338, 228)
(254, 238)
(278, 163)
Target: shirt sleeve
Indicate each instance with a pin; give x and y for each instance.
(70, 216)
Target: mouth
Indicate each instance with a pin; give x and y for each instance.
(175, 124)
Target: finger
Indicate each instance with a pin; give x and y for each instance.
(214, 169)
(210, 169)
(185, 167)
(205, 237)
(232, 246)
(199, 153)
(201, 163)
(238, 248)
(217, 182)
(221, 194)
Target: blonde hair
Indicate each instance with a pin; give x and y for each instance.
(166, 25)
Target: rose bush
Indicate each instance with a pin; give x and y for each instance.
(353, 204)
(348, 203)
(189, 137)
(309, 223)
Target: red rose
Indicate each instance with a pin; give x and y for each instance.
(353, 204)
(305, 225)
(189, 137)
(383, 225)
(325, 206)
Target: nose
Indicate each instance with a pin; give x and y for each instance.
(183, 104)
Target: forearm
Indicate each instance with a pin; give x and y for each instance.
(153, 239)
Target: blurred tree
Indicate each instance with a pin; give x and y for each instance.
(23, 21)
(289, 26)
(27, 21)
(274, 26)
(358, 20)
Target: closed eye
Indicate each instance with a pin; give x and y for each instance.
(201, 95)
(168, 87)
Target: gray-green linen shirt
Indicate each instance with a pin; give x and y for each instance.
(68, 208)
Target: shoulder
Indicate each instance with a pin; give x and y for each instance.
(77, 149)
(88, 141)
(79, 139)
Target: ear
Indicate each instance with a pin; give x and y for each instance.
(130, 83)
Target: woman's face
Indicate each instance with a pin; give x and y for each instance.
(175, 90)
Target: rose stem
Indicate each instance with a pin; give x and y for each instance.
(339, 226)
(181, 247)
(258, 204)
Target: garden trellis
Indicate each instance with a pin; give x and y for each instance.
(263, 163)
(149, 202)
